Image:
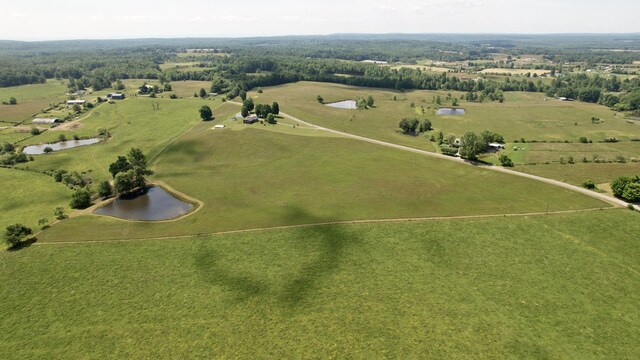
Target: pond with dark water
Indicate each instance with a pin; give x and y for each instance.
(450, 111)
(62, 145)
(154, 204)
(346, 104)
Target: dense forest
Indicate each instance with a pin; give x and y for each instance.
(254, 62)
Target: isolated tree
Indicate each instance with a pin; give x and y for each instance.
(62, 137)
(104, 189)
(81, 199)
(59, 213)
(206, 113)
(77, 108)
(370, 101)
(271, 119)
(15, 233)
(471, 146)
(320, 99)
(13, 101)
(361, 103)
(43, 223)
(203, 93)
(440, 138)
(275, 108)
(120, 165)
(505, 161)
(47, 150)
(167, 87)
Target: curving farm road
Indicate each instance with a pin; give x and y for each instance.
(603, 197)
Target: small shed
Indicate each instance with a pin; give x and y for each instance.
(251, 119)
(219, 126)
(496, 146)
(115, 96)
(46, 121)
(76, 102)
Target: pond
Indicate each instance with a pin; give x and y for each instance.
(450, 111)
(346, 104)
(154, 204)
(62, 145)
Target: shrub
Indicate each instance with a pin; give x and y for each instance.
(35, 131)
(583, 140)
(81, 199)
(589, 184)
(631, 192)
(505, 161)
(448, 150)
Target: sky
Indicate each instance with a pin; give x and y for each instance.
(87, 19)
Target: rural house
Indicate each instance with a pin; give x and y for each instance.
(115, 96)
(251, 119)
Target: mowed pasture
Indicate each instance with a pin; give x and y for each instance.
(31, 100)
(132, 122)
(577, 173)
(522, 115)
(257, 176)
(519, 72)
(548, 286)
(28, 197)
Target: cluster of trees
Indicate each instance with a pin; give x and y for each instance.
(264, 111)
(627, 188)
(129, 172)
(11, 101)
(470, 145)
(364, 103)
(9, 156)
(622, 95)
(413, 126)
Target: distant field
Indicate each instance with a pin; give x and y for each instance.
(577, 173)
(31, 100)
(28, 197)
(526, 115)
(514, 71)
(131, 122)
(554, 286)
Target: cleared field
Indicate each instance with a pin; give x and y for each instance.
(132, 123)
(28, 196)
(514, 71)
(555, 286)
(260, 177)
(31, 99)
(577, 173)
(526, 115)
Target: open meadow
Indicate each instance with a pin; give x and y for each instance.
(548, 286)
(31, 100)
(260, 176)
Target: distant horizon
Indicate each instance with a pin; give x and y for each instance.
(40, 20)
(330, 35)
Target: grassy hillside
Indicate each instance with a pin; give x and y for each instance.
(251, 177)
(31, 100)
(28, 197)
(554, 286)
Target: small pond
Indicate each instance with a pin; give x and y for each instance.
(346, 104)
(450, 111)
(62, 145)
(154, 204)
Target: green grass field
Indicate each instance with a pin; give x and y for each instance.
(256, 176)
(31, 100)
(522, 115)
(550, 286)
(27, 197)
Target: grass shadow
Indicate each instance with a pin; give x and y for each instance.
(23, 244)
(329, 241)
